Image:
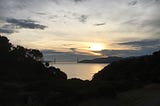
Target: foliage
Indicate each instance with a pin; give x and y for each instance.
(23, 76)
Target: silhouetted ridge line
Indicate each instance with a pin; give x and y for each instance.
(102, 60)
(131, 72)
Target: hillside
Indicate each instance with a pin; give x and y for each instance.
(146, 96)
(131, 73)
(102, 60)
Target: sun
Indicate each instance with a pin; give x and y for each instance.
(96, 47)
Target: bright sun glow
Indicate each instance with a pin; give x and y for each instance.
(96, 47)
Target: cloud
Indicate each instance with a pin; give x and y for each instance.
(132, 3)
(55, 1)
(154, 23)
(83, 18)
(40, 13)
(25, 23)
(79, 0)
(128, 53)
(53, 16)
(131, 22)
(157, 0)
(48, 52)
(100, 24)
(11, 25)
(6, 31)
(146, 47)
(68, 45)
(149, 26)
(143, 43)
(65, 56)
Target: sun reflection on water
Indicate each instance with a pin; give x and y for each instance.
(82, 71)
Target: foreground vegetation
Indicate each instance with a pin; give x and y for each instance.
(131, 73)
(26, 81)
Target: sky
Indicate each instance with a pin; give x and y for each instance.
(68, 28)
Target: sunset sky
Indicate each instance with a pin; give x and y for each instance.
(65, 28)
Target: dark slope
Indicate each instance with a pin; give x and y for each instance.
(131, 72)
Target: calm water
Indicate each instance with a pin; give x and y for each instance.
(80, 70)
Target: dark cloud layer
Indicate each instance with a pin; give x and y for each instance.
(142, 43)
(65, 56)
(100, 24)
(128, 53)
(6, 31)
(12, 25)
(153, 23)
(79, 0)
(132, 3)
(146, 47)
(23, 23)
(83, 18)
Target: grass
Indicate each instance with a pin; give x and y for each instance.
(138, 97)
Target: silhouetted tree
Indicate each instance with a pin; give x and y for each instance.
(18, 52)
(5, 46)
(36, 54)
(23, 77)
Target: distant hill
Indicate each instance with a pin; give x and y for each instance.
(102, 60)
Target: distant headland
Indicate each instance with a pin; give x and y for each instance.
(102, 60)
